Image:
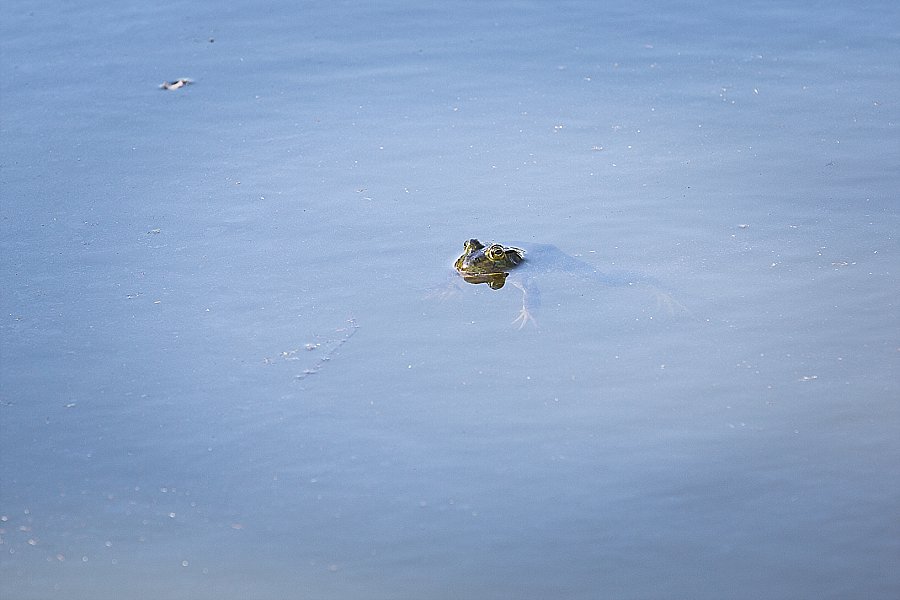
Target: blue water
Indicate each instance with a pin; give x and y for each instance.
(234, 363)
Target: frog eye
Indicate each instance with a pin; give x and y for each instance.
(496, 252)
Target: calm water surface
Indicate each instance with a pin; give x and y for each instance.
(233, 365)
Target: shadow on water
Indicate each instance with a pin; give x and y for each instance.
(561, 272)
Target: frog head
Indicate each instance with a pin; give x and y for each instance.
(491, 263)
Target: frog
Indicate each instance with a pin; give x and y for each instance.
(490, 264)
(521, 263)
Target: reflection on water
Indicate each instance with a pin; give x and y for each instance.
(223, 375)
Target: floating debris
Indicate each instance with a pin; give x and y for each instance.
(177, 84)
(324, 349)
(332, 346)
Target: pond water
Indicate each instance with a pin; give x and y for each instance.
(236, 363)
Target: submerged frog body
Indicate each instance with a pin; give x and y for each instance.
(493, 263)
